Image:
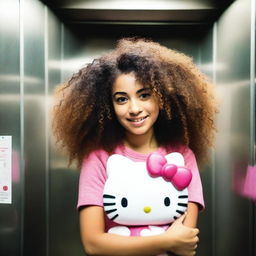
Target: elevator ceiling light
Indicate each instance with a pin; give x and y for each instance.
(137, 4)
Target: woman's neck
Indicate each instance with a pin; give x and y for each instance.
(141, 144)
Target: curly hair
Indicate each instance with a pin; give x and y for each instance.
(84, 118)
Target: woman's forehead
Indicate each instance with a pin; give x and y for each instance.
(127, 82)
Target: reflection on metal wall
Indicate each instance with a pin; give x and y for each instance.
(34, 127)
(232, 155)
(63, 234)
(24, 83)
(11, 214)
(206, 223)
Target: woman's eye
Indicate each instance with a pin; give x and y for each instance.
(145, 96)
(121, 100)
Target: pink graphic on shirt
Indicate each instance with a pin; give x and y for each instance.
(179, 176)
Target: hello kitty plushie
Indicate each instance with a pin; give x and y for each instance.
(145, 197)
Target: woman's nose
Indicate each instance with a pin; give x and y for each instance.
(135, 107)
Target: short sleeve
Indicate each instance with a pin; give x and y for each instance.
(92, 180)
(195, 190)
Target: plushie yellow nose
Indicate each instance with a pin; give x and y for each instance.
(147, 209)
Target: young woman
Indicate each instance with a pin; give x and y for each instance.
(137, 99)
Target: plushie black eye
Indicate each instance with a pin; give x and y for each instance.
(167, 201)
(124, 202)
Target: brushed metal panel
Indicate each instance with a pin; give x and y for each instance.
(233, 143)
(253, 111)
(11, 214)
(34, 127)
(206, 218)
(63, 232)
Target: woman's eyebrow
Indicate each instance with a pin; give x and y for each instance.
(122, 93)
(138, 92)
(143, 89)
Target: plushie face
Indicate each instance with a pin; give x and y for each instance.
(132, 197)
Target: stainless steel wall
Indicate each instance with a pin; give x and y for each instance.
(63, 232)
(11, 216)
(38, 51)
(234, 58)
(29, 47)
(34, 122)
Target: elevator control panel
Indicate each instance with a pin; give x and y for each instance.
(5, 169)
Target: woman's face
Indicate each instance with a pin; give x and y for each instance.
(135, 106)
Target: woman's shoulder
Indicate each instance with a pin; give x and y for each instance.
(98, 155)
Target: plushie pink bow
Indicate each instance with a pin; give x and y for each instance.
(179, 176)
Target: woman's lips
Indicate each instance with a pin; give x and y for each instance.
(137, 121)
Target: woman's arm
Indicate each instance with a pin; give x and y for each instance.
(178, 239)
(192, 215)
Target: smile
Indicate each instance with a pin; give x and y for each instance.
(137, 120)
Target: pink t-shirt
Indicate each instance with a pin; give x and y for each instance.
(93, 175)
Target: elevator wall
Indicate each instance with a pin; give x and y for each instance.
(39, 51)
(235, 79)
(11, 218)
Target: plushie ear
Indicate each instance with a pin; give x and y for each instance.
(175, 158)
(117, 163)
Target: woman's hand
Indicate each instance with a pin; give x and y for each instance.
(183, 239)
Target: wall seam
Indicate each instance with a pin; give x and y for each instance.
(213, 151)
(252, 84)
(46, 92)
(252, 120)
(62, 50)
(22, 157)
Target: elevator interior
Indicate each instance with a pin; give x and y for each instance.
(43, 43)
